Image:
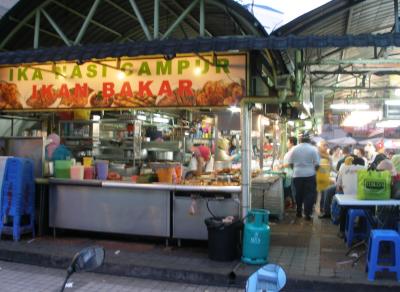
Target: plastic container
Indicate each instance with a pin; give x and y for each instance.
(87, 161)
(166, 174)
(62, 168)
(178, 171)
(76, 172)
(223, 239)
(101, 169)
(88, 172)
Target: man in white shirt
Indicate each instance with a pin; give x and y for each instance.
(304, 159)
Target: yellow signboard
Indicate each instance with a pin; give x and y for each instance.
(138, 83)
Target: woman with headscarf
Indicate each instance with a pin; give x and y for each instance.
(55, 150)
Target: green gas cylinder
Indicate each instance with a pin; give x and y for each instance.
(256, 237)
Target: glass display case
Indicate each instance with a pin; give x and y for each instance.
(119, 140)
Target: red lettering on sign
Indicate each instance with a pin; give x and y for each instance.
(64, 91)
(126, 90)
(185, 88)
(47, 91)
(108, 89)
(144, 88)
(34, 92)
(165, 89)
(81, 90)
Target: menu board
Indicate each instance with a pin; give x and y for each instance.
(129, 83)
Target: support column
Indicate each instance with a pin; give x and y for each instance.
(246, 157)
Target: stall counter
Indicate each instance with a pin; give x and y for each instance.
(118, 207)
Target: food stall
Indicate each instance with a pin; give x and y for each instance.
(142, 89)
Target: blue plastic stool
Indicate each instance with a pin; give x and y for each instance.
(373, 266)
(349, 232)
(18, 197)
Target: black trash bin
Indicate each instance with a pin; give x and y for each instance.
(223, 239)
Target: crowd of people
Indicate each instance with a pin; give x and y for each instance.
(313, 169)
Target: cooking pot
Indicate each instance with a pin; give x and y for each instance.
(161, 155)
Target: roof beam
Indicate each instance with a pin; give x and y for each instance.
(330, 62)
(173, 12)
(202, 19)
(140, 19)
(189, 16)
(354, 87)
(130, 15)
(56, 28)
(94, 22)
(250, 27)
(22, 23)
(156, 20)
(37, 30)
(86, 23)
(180, 18)
(41, 30)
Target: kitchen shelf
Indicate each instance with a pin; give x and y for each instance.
(77, 137)
(115, 147)
(77, 122)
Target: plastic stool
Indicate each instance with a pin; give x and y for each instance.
(378, 236)
(350, 233)
(18, 197)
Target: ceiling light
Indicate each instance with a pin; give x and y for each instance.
(234, 109)
(349, 106)
(361, 118)
(160, 120)
(197, 71)
(121, 75)
(141, 117)
(388, 124)
(392, 101)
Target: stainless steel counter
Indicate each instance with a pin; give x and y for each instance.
(131, 208)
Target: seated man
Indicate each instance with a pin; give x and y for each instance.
(347, 176)
(346, 183)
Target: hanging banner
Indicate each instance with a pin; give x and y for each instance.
(180, 82)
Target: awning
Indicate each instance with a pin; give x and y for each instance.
(169, 48)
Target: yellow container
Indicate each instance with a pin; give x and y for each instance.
(82, 115)
(165, 175)
(87, 161)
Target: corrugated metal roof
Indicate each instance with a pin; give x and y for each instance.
(222, 18)
(346, 17)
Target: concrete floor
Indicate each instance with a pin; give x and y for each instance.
(311, 253)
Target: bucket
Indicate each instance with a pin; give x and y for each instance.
(88, 172)
(87, 161)
(102, 169)
(62, 168)
(223, 239)
(76, 172)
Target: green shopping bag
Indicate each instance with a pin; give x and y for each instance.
(373, 185)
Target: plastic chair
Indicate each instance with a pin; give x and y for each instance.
(350, 231)
(18, 197)
(374, 262)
